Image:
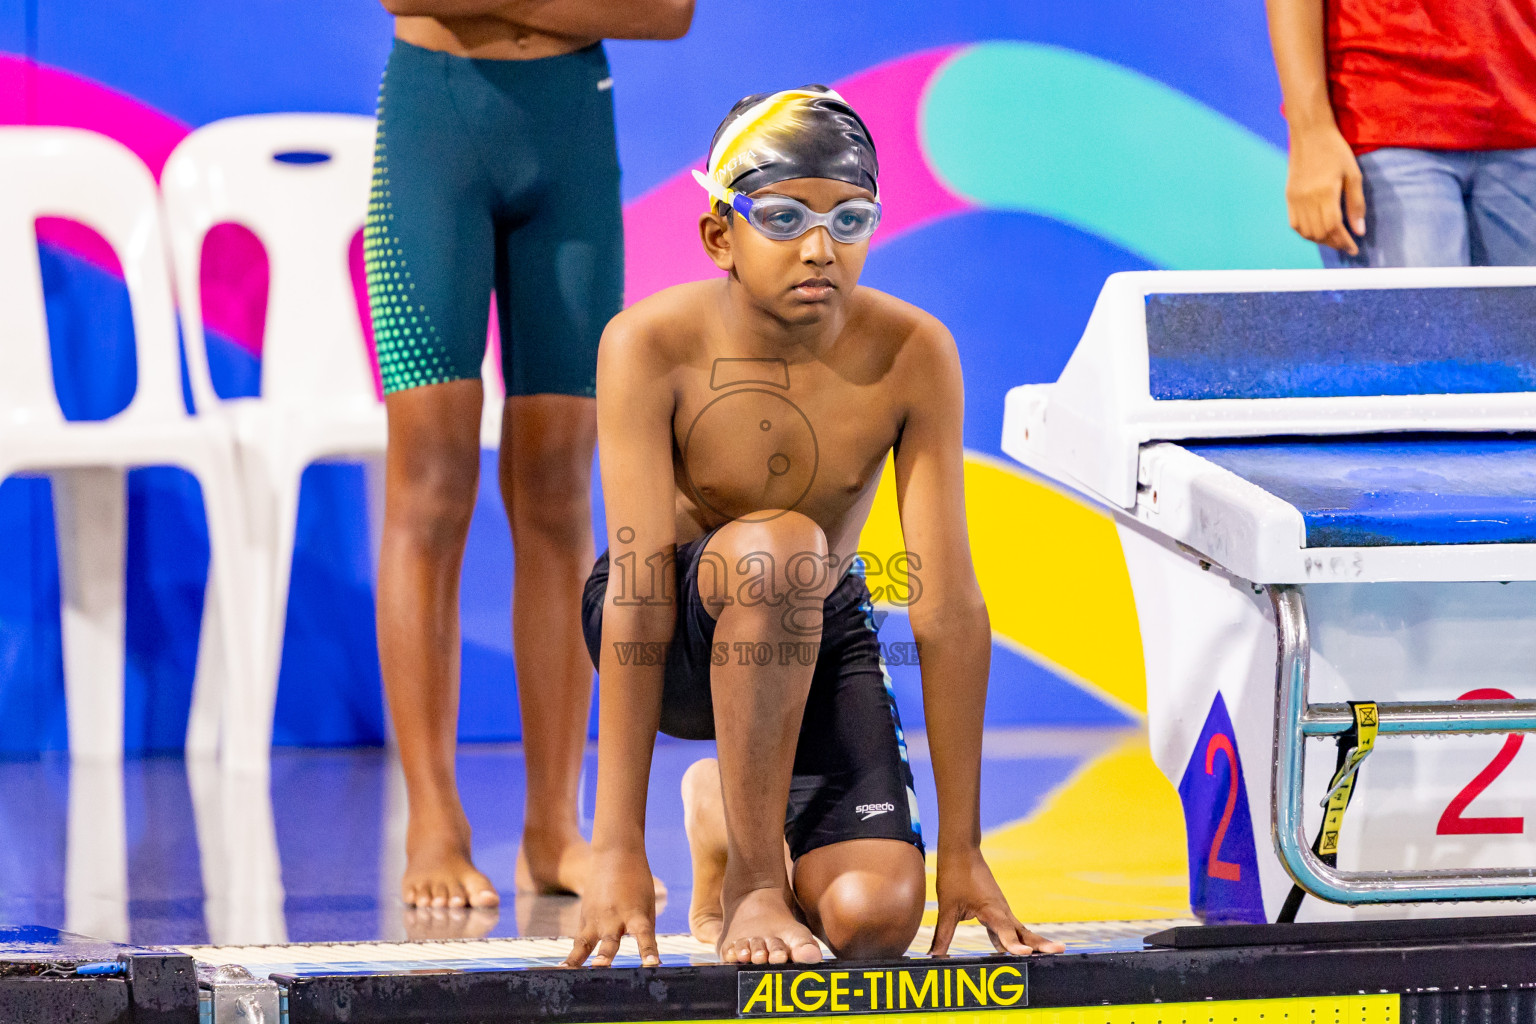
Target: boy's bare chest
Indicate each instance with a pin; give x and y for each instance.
(762, 434)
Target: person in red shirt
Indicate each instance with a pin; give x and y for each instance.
(1412, 129)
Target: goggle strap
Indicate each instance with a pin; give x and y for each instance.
(729, 196)
(717, 191)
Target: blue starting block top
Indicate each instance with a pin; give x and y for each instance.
(1341, 343)
(1407, 489)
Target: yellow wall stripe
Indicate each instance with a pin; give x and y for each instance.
(1052, 571)
(1107, 845)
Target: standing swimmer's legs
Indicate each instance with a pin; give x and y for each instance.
(432, 470)
(546, 484)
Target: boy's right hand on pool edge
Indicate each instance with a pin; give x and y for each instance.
(620, 899)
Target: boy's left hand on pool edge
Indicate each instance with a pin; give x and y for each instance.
(620, 899)
(967, 889)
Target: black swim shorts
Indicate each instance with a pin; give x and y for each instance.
(851, 776)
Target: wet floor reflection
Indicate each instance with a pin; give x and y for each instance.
(167, 850)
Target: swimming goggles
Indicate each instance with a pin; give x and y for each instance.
(782, 218)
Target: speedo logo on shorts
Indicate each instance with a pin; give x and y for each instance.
(867, 811)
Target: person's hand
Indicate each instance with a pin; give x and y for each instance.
(620, 899)
(966, 890)
(1323, 167)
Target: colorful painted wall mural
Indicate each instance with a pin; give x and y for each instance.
(1027, 151)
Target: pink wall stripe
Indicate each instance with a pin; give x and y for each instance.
(57, 97)
(888, 98)
(32, 93)
(661, 227)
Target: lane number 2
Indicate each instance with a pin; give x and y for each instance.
(1215, 867)
(1453, 821)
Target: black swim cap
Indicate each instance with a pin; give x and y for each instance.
(810, 132)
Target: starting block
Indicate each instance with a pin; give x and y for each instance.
(1324, 483)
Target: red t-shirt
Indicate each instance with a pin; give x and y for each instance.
(1433, 74)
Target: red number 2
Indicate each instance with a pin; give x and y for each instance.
(1451, 822)
(1215, 867)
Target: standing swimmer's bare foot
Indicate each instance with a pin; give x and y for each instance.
(704, 821)
(558, 866)
(438, 871)
(552, 865)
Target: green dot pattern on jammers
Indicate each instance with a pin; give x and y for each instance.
(410, 352)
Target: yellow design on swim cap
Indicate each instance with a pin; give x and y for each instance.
(758, 129)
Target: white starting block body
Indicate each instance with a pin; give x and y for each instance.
(1325, 487)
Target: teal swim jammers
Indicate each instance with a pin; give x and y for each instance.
(498, 173)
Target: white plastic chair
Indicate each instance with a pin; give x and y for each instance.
(66, 172)
(318, 397)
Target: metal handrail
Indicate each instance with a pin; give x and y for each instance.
(1295, 720)
(1427, 718)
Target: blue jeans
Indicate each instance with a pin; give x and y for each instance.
(1441, 208)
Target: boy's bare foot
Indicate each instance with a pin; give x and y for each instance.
(761, 929)
(558, 867)
(704, 821)
(439, 873)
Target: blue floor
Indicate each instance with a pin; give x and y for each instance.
(182, 858)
